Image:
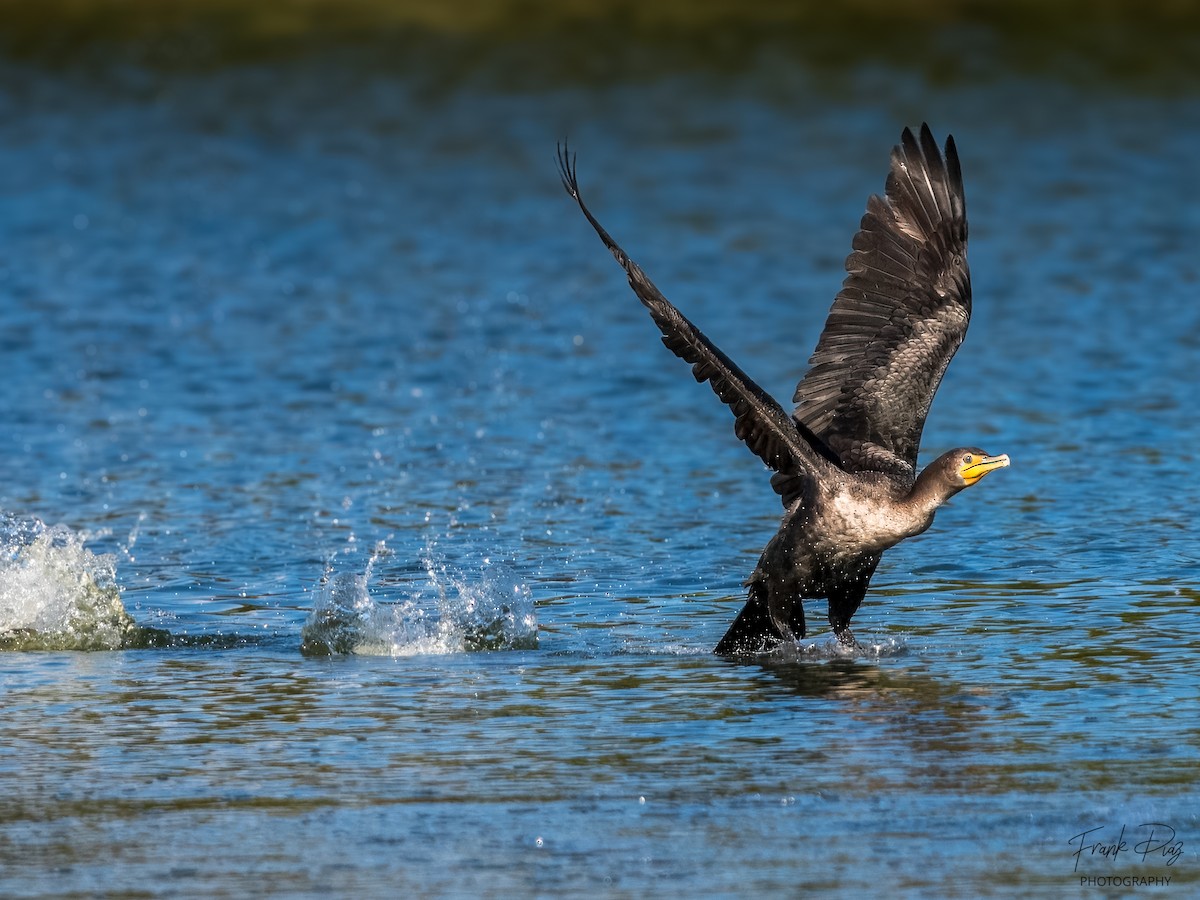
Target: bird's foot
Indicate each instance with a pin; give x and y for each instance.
(846, 638)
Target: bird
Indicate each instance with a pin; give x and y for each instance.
(844, 461)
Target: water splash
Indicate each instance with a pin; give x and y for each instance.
(55, 594)
(827, 646)
(490, 609)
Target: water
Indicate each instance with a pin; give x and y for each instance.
(303, 354)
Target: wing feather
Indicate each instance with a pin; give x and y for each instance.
(900, 316)
(771, 434)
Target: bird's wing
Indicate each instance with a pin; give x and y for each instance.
(900, 315)
(759, 420)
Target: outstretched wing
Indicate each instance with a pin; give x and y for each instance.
(900, 316)
(759, 420)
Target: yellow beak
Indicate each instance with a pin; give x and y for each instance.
(981, 466)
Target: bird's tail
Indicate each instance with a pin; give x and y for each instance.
(754, 631)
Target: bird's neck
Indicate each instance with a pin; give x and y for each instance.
(928, 493)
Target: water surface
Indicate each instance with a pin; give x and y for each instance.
(286, 333)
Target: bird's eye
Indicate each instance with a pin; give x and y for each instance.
(968, 459)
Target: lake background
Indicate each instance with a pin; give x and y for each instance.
(303, 344)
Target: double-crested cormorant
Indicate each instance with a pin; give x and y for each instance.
(845, 459)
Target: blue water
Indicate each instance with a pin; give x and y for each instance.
(301, 336)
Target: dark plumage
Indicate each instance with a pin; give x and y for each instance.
(845, 459)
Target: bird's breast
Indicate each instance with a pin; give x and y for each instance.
(854, 519)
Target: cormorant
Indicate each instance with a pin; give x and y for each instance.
(845, 460)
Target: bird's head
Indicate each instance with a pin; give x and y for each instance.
(950, 473)
(966, 465)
